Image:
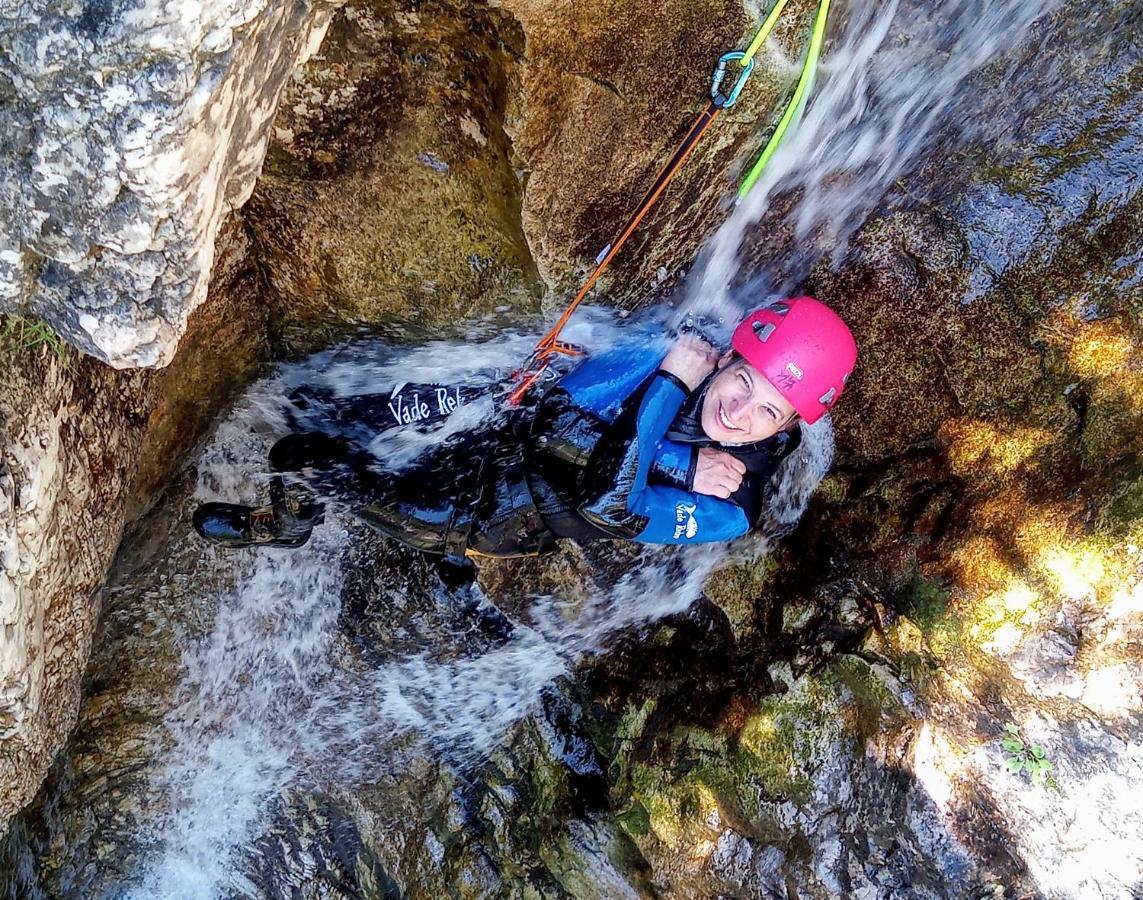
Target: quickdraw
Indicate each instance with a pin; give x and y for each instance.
(550, 345)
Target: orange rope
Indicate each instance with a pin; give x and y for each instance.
(550, 344)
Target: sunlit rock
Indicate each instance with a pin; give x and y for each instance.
(127, 133)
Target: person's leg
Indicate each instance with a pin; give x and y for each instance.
(418, 507)
(308, 450)
(430, 507)
(289, 518)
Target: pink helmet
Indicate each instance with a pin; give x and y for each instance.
(803, 348)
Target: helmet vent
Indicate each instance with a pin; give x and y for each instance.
(781, 308)
(828, 397)
(764, 330)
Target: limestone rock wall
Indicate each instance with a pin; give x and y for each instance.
(126, 135)
(66, 434)
(127, 132)
(389, 193)
(82, 448)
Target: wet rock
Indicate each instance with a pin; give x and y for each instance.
(809, 793)
(737, 590)
(83, 448)
(389, 191)
(570, 123)
(797, 615)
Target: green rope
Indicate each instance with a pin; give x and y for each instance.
(796, 101)
(764, 31)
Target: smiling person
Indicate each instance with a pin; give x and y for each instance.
(629, 444)
(692, 450)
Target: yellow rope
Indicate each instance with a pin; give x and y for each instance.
(764, 31)
(796, 101)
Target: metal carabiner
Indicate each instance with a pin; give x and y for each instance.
(725, 101)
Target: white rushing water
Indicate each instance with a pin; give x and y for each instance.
(260, 699)
(891, 75)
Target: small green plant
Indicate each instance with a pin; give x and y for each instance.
(18, 334)
(1030, 758)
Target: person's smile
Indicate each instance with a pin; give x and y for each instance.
(742, 407)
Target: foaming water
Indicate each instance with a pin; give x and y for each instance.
(266, 698)
(238, 697)
(464, 707)
(891, 75)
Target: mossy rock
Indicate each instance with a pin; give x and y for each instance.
(1124, 512)
(711, 776)
(739, 590)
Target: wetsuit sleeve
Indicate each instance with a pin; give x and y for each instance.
(675, 464)
(629, 507)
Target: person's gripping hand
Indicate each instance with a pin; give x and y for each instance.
(691, 359)
(717, 473)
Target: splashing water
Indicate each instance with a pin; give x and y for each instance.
(891, 75)
(263, 701)
(267, 652)
(261, 704)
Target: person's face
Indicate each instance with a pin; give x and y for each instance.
(741, 407)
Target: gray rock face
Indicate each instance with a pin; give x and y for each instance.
(61, 498)
(126, 132)
(78, 442)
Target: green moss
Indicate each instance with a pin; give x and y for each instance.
(796, 615)
(925, 604)
(633, 720)
(663, 636)
(777, 756)
(781, 741)
(549, 782)
(834, 488)
(925, 601)
(1125, 509)
(776, 751)
(635, 820)
(870, 695)
(662, 798)
(737, 588)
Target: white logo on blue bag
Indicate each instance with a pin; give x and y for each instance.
(685, 521)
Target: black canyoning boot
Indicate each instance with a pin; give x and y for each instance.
(288, 521)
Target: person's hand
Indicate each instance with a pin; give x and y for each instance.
(717, 473)
(691, 359)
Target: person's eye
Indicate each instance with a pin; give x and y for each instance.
(745, 381)
(771, 412)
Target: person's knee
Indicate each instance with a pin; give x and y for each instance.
(306, 450)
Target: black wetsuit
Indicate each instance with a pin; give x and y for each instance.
(608, 452)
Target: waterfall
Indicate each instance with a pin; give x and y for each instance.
(892, 77)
